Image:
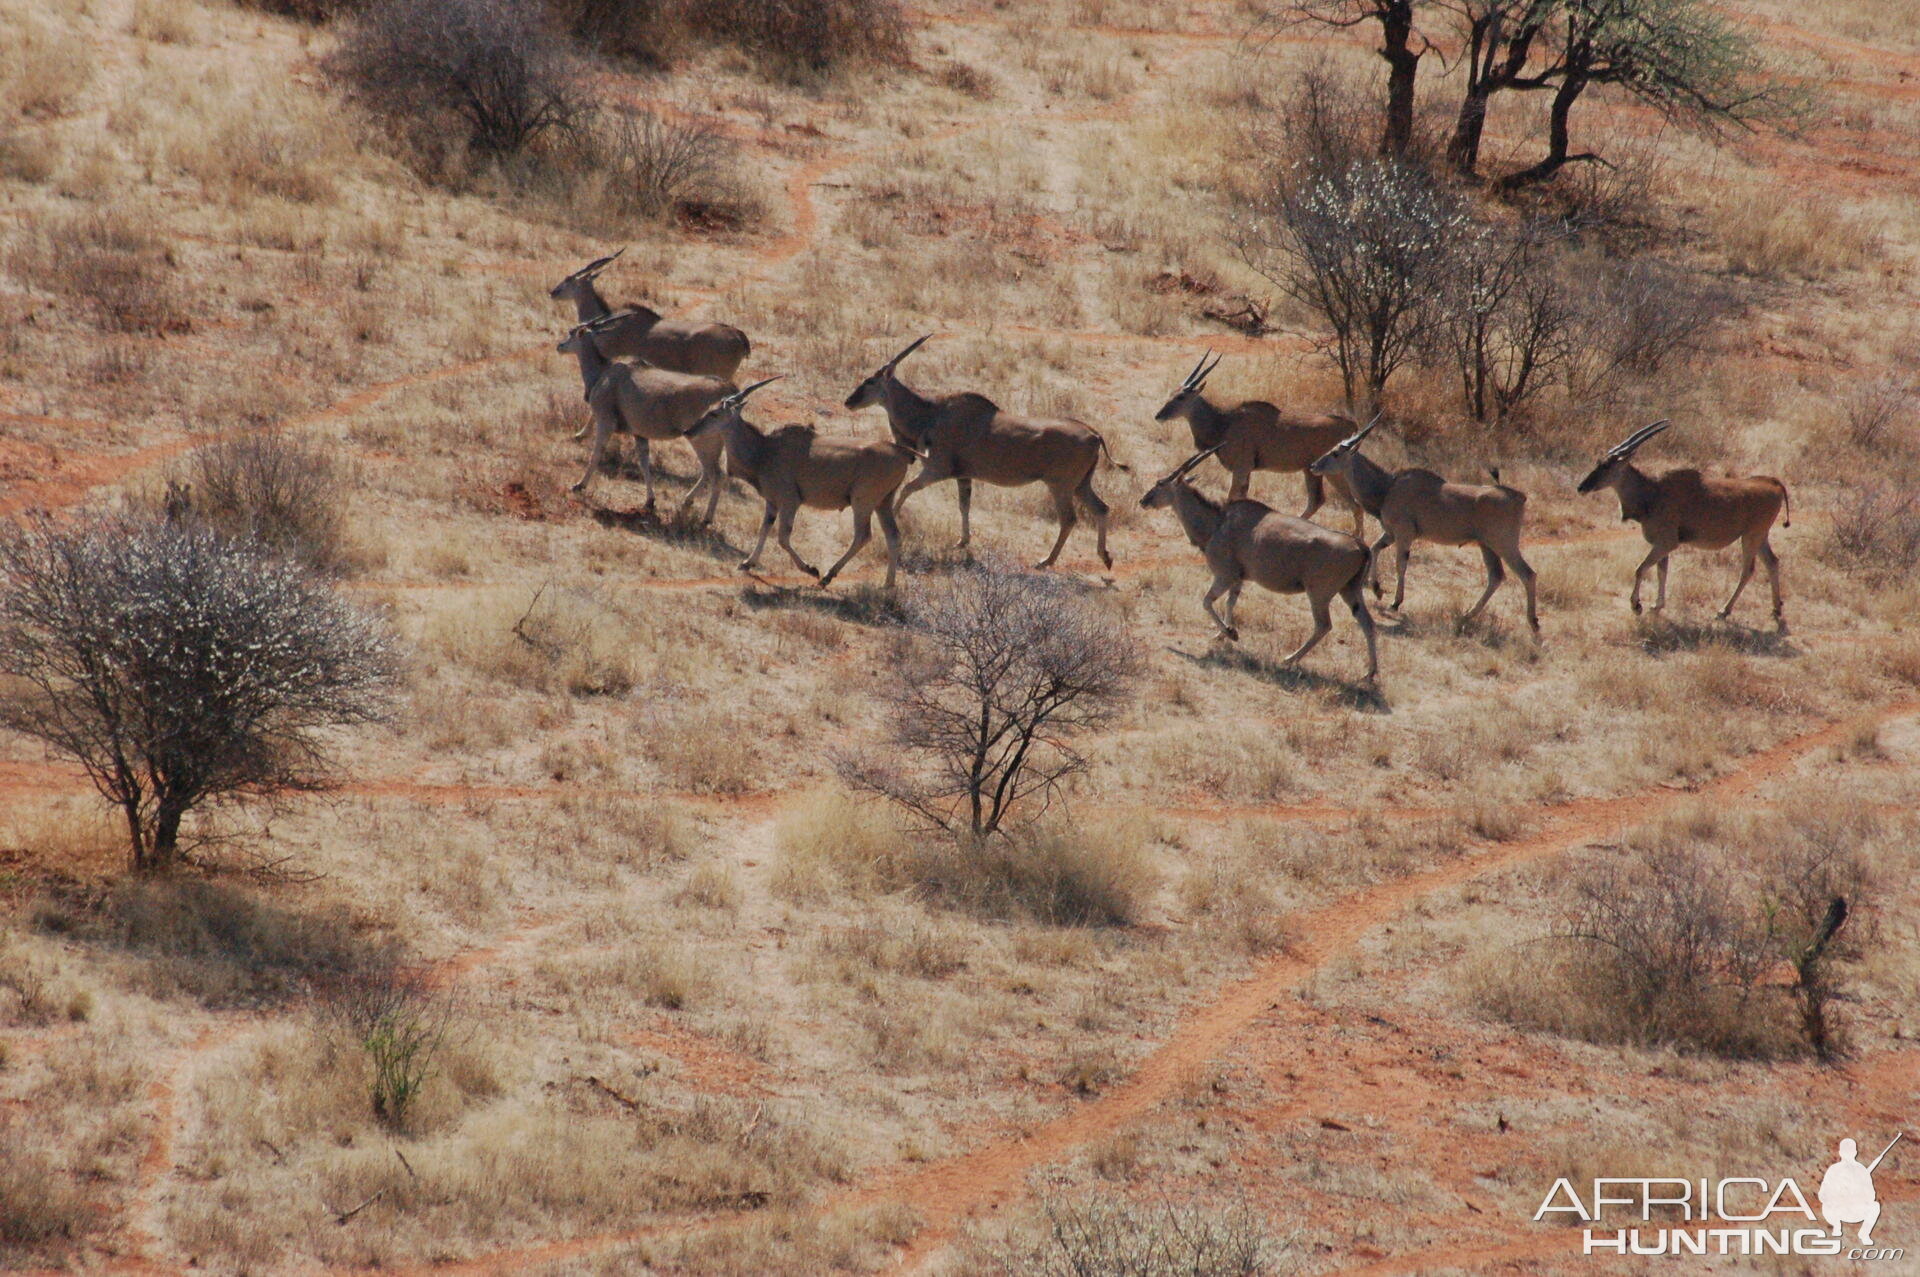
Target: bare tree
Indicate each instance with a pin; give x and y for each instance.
(494, 66)
(1001, 672)
(178, 668)
(1635, 317)
(1401, 47)
(1367, 248)
(1508, 317)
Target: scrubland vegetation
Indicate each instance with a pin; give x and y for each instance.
(563, 900)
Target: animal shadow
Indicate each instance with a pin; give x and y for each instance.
(1658, 636)
(1366, 698)
(869, 605)
(686, 533)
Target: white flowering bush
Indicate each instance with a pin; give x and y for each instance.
(1366, 246)
(179, 668)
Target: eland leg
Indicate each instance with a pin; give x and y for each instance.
(1657, 555)
(1749, 551)
(1322, 623)
(1772, 560)
(785, 537)
(1063, 510)
(766, 525)
(1218, 588)
(1496, 573)
(862, 533)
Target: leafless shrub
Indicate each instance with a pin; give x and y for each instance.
(491, 68)
(1000, 672)
(620, 28)
(1636, 317)
(1507, 316)
(1727, 941)
(1673, 948)
(307, 10)
(1876, 529)
(270, 489)
(658, 166)
(1113, 1237)
(39, 1203)
(799, 36)
(1873, 406)
(112, 264)
(178, 668)
(964, 77)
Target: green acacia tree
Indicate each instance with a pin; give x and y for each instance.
(1684, 58)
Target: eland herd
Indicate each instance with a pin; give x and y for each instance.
(656, 379)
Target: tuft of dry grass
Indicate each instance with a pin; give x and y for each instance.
(1765, 235)
(110, 260)
(44, 68)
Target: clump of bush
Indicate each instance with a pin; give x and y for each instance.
(269, 489)
(180, 669)
(491, 73)
(1115, 1237)
(108, 262)
(802, 35)
(1730, 942)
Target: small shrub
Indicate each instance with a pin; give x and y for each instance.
(1114, 1237)
(1876, 529)
(38, 1202)
(1096, 877)
(1879, 409)
(492, 70)
(43, 69)
(269, 489)
(111, 263)
(1683, 941)
(967, 79)
(663, 167)
(401, 1024)
(799, 36)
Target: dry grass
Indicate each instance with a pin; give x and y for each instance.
(1764, 235)
(571, 825)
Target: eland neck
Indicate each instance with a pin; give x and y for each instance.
(1636, 491)
(588, 304)
(909, 413)
(1368, 482)
(1199, 517)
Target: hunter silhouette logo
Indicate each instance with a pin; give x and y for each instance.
(1846, 1191)
(1738, 1215)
